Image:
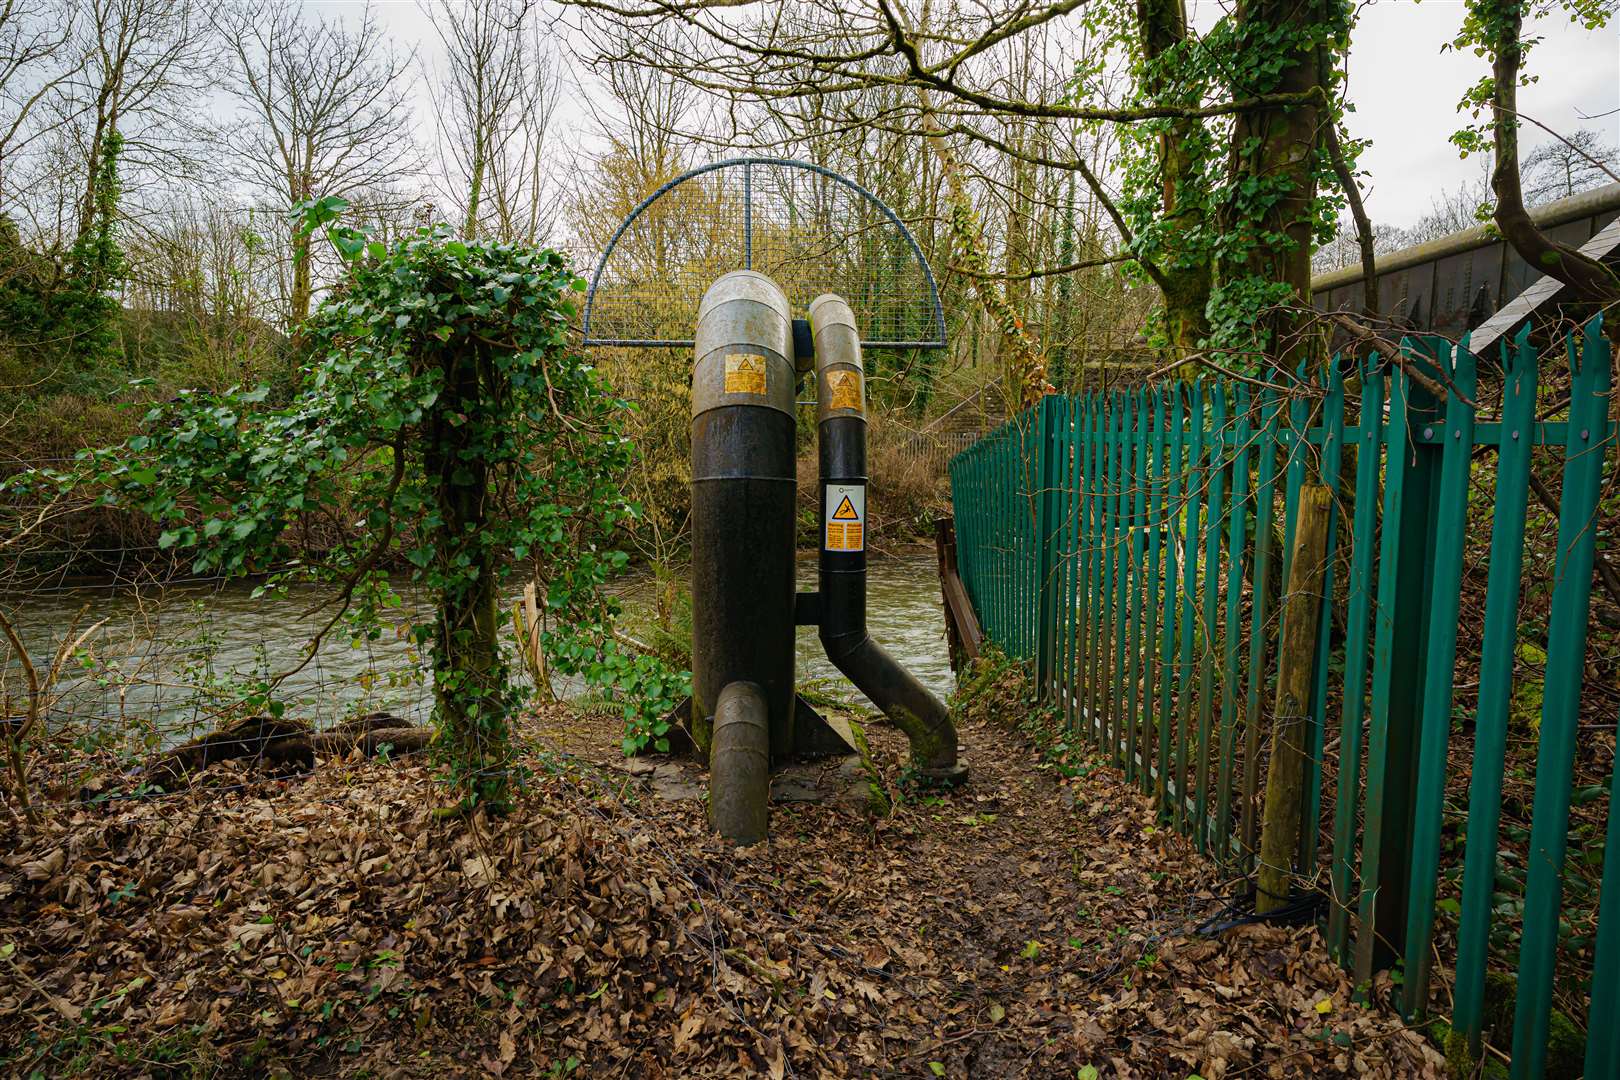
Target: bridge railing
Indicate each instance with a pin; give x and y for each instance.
(1132, 546)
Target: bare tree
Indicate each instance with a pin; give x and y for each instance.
(34, 62)
(1345, 247)
(145, 61)
(1567, 166)
(496, 92)
(325, 110)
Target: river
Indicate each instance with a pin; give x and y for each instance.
(165, 662)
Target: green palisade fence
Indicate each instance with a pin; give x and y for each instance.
(1131, 546)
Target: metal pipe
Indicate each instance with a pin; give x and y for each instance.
(841, 448)
(739, 764)
(743, 490)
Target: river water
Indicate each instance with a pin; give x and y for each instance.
(164, 664)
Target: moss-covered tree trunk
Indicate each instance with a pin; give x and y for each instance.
(469, 673)
(1274, 160)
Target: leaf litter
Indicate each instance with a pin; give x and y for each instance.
(332, 924)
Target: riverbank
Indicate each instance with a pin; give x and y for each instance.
(168, 663)
(330, 924)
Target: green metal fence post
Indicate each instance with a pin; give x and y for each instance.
(1107, 707)
(1172, 568)
(1153, 598)
(1094, 564)
(1085, 642)
(1215, 481)
(1400, 630)
(1332, 461)
(1445, 586)
(1066, 590)
(1236, 539)
(1586, 447)
(1138, 593)
(1495, 686)
(1122, 532)
(1265, 509)
(1048, 521)
(1369, 443)
(1196, 477)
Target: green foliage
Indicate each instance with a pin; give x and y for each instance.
(1489, 28)
(1211, 208)
(59, 319)
(444, 409)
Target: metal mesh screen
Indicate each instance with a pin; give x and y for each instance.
(810, 229)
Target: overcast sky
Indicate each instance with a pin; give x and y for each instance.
(1406, 90)
(1404, 87)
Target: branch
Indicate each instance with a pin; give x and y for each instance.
(1358, 212)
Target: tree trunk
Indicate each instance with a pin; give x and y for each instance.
(469, 676)
(1185, 279)
(1285, 777)
(1273, 163)
(284, 744)
(1590, 279)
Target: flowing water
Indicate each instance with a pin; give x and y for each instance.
(165, 663)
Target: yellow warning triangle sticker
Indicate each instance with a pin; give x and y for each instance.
(846, 511)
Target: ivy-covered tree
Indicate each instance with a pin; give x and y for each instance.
(444, 408)
(1223, 212)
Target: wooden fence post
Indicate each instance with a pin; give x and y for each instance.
(1296, 659)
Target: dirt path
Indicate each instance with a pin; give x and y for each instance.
(333, 925)
(1029, 925)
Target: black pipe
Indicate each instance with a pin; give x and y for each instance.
(739, 764)
(841, 448)
(743, 492)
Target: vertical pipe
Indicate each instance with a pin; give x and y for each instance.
(743, 493)
(739, 764)
(841, 438)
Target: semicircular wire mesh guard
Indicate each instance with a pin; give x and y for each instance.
(810, 229)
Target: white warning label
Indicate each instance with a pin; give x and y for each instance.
(845, 518)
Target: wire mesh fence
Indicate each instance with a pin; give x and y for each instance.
(809, 229)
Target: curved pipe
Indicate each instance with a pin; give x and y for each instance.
(740, 765)
(743, 494)
(841, 442)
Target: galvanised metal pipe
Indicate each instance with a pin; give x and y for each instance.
(739, 764)
(743, 489)
(841, 441)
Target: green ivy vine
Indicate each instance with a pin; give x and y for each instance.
(443, 407)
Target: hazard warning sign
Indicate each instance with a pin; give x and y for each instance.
(845, 387)
(745, 373)
(846, 518)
